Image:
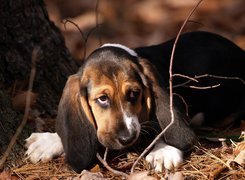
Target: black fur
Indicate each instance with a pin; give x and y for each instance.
(185, 138)
(77, 134)
(197, 53)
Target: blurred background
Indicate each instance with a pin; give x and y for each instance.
(142, 22)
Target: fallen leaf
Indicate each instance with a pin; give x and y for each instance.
(240, 147)
(240, 158)
(87, 175)
(19, 101)
(176, 176)
(95, 169)
(6, 175)
(141, 176)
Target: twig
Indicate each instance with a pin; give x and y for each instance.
(203, 76)
(84, 37)
(170, 90)
(150, 146)
(105, 154)
(215, 157)
(185, 76)
(97, 20)
(190, 79)
(184, 102)
(216, 170)
(27, 108)
(204, 87)
(118, 173)
(220, 77)
(196, 22)
(82, 34)
(200, 172)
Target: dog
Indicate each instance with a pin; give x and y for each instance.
(117, 89)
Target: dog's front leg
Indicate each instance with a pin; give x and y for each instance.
(43, 147)
(163, 155)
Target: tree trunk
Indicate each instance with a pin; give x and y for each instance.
(24, 24)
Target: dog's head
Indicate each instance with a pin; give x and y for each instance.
(112, 92)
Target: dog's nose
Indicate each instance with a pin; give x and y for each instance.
(127, 138)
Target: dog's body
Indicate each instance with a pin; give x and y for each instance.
(203, 53)
(118, 89)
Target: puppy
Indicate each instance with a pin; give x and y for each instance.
(118, 89)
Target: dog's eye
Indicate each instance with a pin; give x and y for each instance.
(133, 95)
(103, 101)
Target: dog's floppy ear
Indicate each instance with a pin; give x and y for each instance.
(159, 105)
(75, 124)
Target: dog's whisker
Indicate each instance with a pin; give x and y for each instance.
(149, 122)
(150, 128)
(143, 132)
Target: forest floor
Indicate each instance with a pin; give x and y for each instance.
(209, 160)
(140, 23)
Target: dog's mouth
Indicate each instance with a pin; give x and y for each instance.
(127, 140)
(119, 140)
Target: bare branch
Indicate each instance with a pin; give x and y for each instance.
(84, 37)
(97, 21)
(170, 90)
(205, 87)
(118, 173)
(220, 77)
(27, 107)
(183, 100)
(105, 155)
(185, 76)
(190, 79)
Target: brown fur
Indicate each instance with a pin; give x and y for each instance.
(112, 73)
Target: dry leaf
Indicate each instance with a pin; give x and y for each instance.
(141, 176)
(240, 159)
(176, 176)
(6, 175)
(87, 175)
(96, 168)
(240, 147)
(19, 101)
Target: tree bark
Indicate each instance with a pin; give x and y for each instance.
(24, 24)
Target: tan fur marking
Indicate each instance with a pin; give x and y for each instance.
(87, 110)
(109, 120)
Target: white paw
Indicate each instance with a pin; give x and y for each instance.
(43, 147)
(164, 155)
